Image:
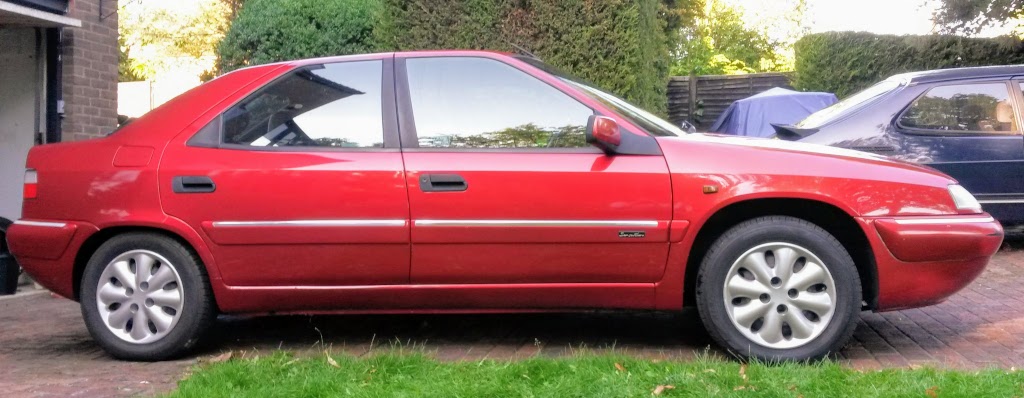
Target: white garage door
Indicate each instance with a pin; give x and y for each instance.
(20, 90)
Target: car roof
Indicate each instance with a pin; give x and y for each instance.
(961, 73)
(355, 57)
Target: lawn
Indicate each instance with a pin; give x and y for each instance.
(398, 374)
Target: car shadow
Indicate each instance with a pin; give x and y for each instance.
(465, 336)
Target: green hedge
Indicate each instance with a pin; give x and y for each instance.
(846, 62)
(620, 45)
(273, 30)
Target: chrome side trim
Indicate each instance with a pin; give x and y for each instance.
(996, 201)
(47, 224)
(952, 220)
(311, 223)
(535, 223)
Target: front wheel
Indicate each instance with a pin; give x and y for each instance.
(146, 297)
(778, 288)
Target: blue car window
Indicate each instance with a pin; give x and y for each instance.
(962, 108)
(850, 104)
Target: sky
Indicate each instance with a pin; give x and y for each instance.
(876, 16)
(897, 17)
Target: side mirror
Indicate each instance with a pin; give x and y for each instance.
(603, 133)
(687, 127)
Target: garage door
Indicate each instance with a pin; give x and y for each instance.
(21, 86)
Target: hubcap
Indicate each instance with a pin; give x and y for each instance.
(139, 296)
(780, 295)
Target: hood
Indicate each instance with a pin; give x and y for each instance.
(799, 148)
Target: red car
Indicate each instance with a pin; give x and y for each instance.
(462, 181)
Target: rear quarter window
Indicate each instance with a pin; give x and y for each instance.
(335, 105)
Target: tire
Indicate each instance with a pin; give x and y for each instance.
(748, 306)
(109, 288)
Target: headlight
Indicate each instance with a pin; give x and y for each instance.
(964, 200)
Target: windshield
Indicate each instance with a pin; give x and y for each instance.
(649, 122)
(844, 107)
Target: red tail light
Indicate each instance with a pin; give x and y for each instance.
(31, 184)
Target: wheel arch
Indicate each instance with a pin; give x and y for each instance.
(829, 217)
(94, 241)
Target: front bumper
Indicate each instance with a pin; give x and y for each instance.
(923, 260)
(46, 250)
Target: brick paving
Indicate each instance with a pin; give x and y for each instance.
(46, 351)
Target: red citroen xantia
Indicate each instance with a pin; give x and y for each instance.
(473, 181)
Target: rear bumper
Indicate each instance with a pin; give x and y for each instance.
(46, 250)
(923, 260)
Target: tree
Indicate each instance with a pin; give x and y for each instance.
(271, 30)
(733, 36)
(126, 65)
(718, 42)
(971, 16)
(233, 7)
(157, 36)
(677, 14)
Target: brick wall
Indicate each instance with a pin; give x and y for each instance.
(90, 71)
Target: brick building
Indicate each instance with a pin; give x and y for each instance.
(58, 80)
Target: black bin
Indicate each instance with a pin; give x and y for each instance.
(9, 269)
(8, 274)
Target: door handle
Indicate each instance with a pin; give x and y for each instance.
(193, 184)
(442, 183)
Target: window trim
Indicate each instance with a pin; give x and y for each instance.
(1007, 83)
(1017, 92)
(407, 120)
(389, 116)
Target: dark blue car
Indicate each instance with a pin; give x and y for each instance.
(964, 122)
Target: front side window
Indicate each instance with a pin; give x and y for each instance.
(333, 105)
(652, 124)
(963, 108)
(483, 103)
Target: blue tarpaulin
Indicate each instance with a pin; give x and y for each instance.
(754, 115)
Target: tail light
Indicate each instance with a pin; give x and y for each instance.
(31, 184)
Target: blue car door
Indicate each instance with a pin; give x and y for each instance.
(971, 130)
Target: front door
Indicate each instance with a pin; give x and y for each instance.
(970, 130)
(301, 183)
(503, 188)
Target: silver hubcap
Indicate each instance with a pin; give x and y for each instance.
(139, 296)
(780, 295)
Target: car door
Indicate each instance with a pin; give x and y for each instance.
(503, 188)
(300, 183)
(971, 131)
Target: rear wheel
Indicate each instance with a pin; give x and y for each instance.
(778, 288)
(146, 297)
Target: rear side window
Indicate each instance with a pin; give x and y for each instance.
(465, 102)
(333, 105)
(964, 108)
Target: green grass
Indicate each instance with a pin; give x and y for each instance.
(398, 374)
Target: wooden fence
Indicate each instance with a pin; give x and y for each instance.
(715, 93)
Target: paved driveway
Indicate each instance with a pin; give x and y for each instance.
(46, 351)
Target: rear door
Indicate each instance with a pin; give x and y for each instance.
(971, 131)
(300, 183)
(504, 189)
